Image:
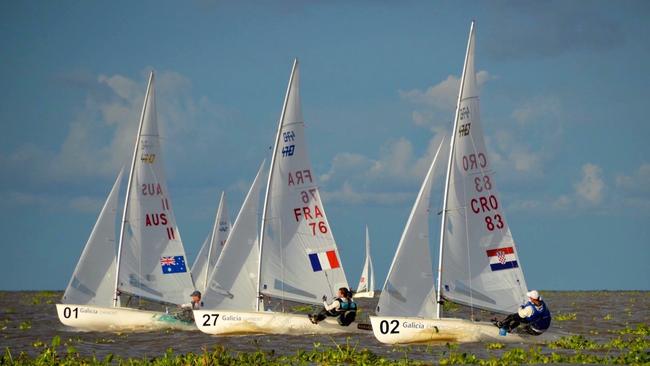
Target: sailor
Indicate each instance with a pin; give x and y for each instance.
(533, 313)
(195, 304)
(186, 314)
(343, 307)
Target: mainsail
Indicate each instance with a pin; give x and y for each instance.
(233, 282)
(151, 259)
(212, 246)
(409, 287)
(367, 280)
(299, 257)
(93, 278)
(479, 262)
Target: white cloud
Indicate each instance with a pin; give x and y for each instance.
(444, 94)
(634, 189)
(536, 109)
(638, 182)
(385, 180)
(347, 195)
(591, 188)
(101, 135)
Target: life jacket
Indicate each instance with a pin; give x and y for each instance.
(540, 320)
(347, 311)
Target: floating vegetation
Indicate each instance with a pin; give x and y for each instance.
(25, 325)
(631, 351)
(608, 317)
(565, 316)
(491, 346)
(640, 329)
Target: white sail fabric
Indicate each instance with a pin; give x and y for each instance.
(409, 289)
(300, 259)
(480, 265)
(94, 277)
(367, 280)
(233, 282)
(153, 262)
(212, 246)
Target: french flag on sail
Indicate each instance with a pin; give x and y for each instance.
(502, 258)
(324, 261)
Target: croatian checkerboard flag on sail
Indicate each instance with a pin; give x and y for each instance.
(324, 261)
(174, 264)
(502, 258)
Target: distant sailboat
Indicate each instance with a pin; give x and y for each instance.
(150, 261)
(212, 246)
(366, 286)
(478, 261)
(233, 281)
(298, 257)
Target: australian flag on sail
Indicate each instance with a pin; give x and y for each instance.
(324, 261)
(175, 264)
(502, 258)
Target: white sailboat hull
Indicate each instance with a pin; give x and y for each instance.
(103, 319)
(407, 330)
(218, 322)
(365, 294)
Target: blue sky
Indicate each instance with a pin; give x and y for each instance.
(563, 102)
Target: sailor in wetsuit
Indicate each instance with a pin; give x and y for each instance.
(534, 314)
(342, 307)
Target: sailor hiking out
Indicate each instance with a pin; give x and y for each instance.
(533, 313)
(343, 307)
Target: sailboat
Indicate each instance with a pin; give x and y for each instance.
(150, 260)
(212, 246)
(233, 281)
(478, 262)
(298, 257)
(366, 286)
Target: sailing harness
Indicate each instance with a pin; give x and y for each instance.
(346, 313)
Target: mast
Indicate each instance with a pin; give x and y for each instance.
(268, 183)
(128, 190)
(447, 179)
(214, 233)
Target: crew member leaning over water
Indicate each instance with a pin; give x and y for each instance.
(342, 307)
(534, 314)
